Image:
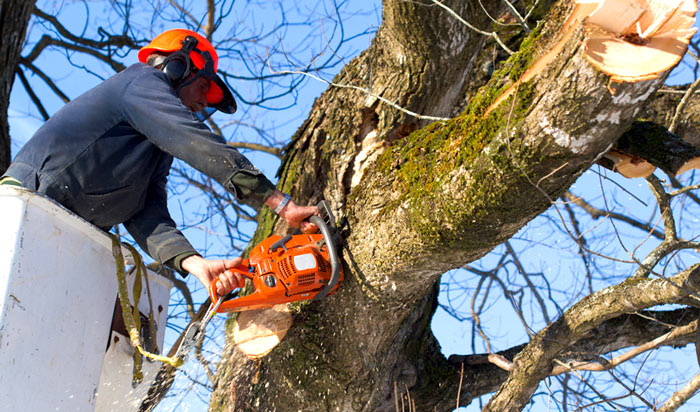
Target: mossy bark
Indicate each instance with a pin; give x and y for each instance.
(419, 199)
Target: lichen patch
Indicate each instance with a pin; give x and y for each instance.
(562, 138)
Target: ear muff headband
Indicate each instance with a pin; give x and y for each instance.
(178, 65)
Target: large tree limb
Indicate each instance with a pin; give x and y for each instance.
(645, 146)
(417, 204)
(634, 331)
(534, 363)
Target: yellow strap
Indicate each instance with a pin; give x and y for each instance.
(10, 181)
(131, 316)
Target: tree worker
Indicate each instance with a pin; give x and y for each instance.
(106, 155)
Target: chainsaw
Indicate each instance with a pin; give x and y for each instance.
(290, 268)
(282, 270)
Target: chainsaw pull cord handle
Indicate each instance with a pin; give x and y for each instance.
(332, 256)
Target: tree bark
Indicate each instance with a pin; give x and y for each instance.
(419, 200)
(14, 18)
(645, 146)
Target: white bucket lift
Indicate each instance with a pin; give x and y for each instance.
(58, 289)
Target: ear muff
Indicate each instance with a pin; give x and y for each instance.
(178, 65)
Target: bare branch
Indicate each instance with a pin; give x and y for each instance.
(534, 362)
(681, 397)
(276, 151)
(466, 23)
(47, 41)
(46, 80)
(681, 106)
(517, 15)
(32, 95)
(604, 364)
(597, 213)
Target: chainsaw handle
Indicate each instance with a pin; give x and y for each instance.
(241, 270)
(281, 243)
(332, 256)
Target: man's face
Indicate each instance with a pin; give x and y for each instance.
(194, 95)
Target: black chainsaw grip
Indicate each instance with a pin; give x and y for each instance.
(332, 256)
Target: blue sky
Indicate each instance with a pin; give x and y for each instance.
(453, 335)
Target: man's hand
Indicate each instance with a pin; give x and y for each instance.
(207, 270)
(293, 214)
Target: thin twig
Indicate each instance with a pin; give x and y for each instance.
(32, 95)
(466, 23)
(597, 213)
(684, 101)
(396, 397)
(679, 398)
(367, 92)
(617, 360)
(517, 16)
(275, 151)
(459, 388)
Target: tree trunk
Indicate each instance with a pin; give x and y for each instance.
(14, 18)
(418, 200)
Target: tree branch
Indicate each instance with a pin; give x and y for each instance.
(32, 95)
(534, 363)
(52, 85)
(681, 397)
(275, 151)
(634, 331)
(597, 213)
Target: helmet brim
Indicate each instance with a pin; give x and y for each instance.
(220, 96)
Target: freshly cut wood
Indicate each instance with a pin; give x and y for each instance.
(627, 165)
(257, 332)
(629, 40)
(635, 40)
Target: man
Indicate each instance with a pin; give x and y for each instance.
(106, 155)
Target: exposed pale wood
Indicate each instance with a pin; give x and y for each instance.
(257, 332)
(635, 40)
(628, 165)
(580, 12)
(689, 165)
(613, 45)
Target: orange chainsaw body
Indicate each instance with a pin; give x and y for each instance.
(283, 270)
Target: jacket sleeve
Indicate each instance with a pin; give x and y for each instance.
(153, 228)
(151, 106)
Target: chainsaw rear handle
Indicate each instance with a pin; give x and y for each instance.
(241, 270)
(332, 256)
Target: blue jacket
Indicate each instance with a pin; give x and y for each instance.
(106, 156)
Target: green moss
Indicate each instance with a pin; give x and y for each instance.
(445, 146)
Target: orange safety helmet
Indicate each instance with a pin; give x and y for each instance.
(202, 55)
